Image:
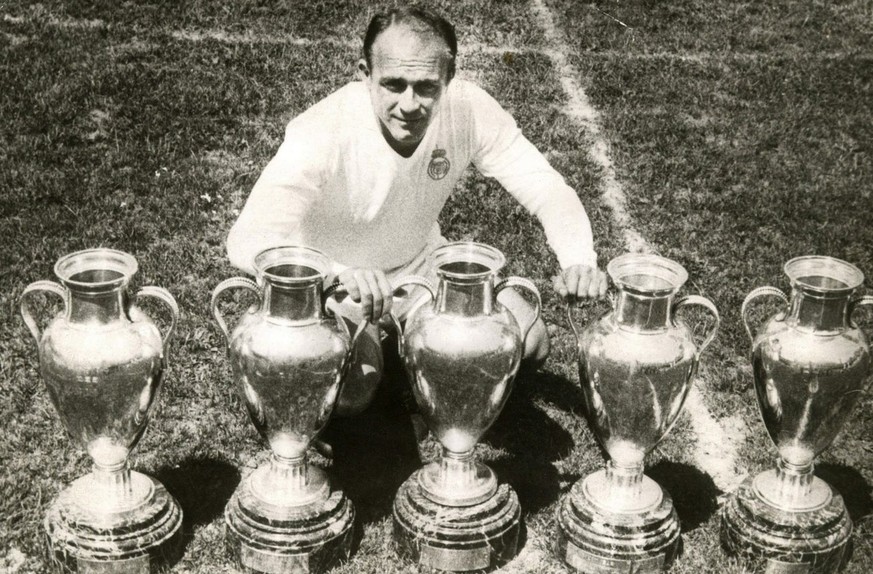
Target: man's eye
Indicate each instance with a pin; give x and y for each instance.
(427, 90)
(395, 86)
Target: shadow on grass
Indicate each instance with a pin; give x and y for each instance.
(203, 486)
(695, 495)
(556, 390)
(856, 491)
(376, 450)
(532, 439)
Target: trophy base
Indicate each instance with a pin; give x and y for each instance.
(142, 540)
(267, 538)
(593, 539)
(777, 540)
(479, 537)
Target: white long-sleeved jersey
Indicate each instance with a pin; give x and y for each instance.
(336, 185)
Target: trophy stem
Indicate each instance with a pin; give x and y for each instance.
(114, 481)
(624, 484)
(622, 489)
(112, 489)
(457, 480)
(290, 474)
(457, 470)
(794, 482)
(792, 487)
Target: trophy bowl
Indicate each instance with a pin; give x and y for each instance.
(102, 361)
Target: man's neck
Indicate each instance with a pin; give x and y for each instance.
(402, 149)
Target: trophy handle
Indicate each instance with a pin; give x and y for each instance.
(610, 298)
(759, 292)
(49, 286)
(163, 295)
(527, 285)
(337, 288)
(232, 283)
(409, 280)
(709, 306)
(860, 302)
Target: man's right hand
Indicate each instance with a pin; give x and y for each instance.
(370, 288)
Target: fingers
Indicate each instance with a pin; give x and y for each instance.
(602, 284)
(560, 286)
(581, 282)
(370, 288)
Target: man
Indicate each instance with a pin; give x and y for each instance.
(363, 174)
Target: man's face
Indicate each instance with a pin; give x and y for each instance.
(408, 76)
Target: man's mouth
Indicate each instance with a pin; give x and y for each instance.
(410, 121)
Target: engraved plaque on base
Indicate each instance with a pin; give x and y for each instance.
(136, 565)
(455, 559)
(589, 563)
(273, 562)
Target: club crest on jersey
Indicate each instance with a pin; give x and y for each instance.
(439, 164)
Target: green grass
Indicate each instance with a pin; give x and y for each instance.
(740, 131)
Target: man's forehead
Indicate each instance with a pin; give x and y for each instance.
(403, 43)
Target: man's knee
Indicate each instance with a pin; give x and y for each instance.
(536, 344)
(364, 373)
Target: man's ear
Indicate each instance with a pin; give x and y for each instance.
(363, 70)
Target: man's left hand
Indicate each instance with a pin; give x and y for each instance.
(579, 282)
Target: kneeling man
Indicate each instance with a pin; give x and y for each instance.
(363, 175)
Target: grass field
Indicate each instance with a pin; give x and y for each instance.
(740, 134)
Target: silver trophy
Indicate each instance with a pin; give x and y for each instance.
(461, 351)
(636, 365)
(289, 356)
(811, 364)
(102, 361)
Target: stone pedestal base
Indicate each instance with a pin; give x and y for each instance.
(269, 539)
(142, 540)
(593, 540)
(475, 538)
(777, 541)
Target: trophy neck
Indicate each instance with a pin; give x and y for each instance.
(465, 298)
(466, 272)
(99, 308)
(96, 280)
(642, 311)
(646, 286)
(293, 302)
(811, 310)
(292, 277)
(821, 290)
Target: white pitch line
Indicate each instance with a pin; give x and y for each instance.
(222, 35)
(715, 452)
(583, 113)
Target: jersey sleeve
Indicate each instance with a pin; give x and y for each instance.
(502, 152)
(284, 192)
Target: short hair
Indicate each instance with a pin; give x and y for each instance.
(418, 17)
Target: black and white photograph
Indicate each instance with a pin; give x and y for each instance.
(446, 286)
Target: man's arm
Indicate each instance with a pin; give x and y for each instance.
(504, 153)
(284, 192)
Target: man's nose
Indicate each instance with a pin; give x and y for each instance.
(409, 101)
